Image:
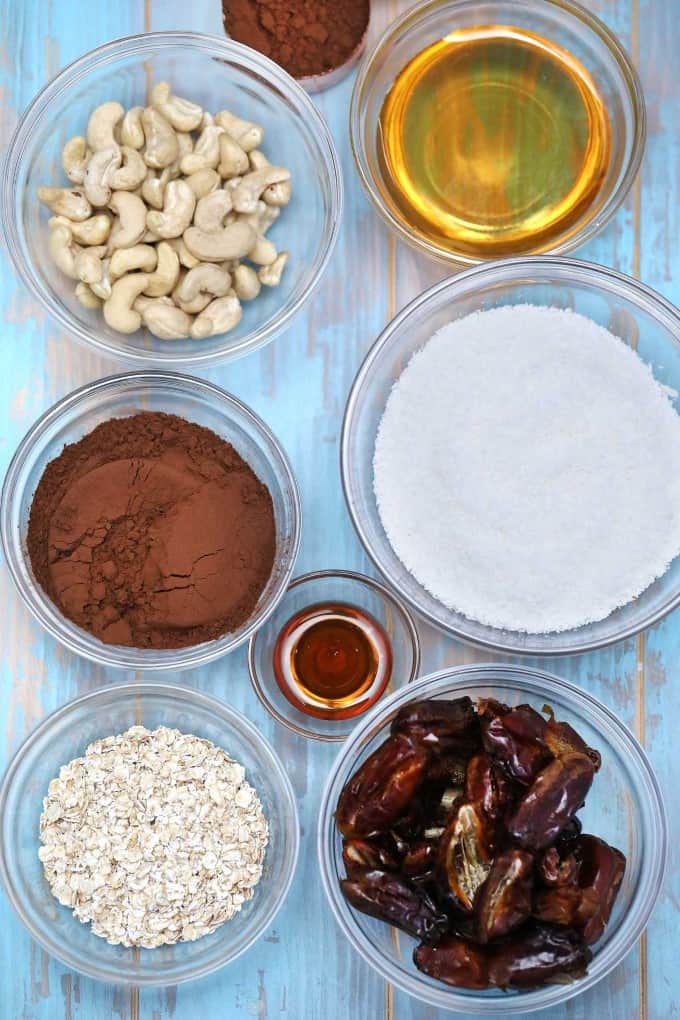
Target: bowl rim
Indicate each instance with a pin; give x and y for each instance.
(65, 631)
(127, 46)
(542, 683)
(387, 594)
(614, 282)
(591, 227)
(228, 714)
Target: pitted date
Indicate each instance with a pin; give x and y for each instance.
(455, 961)
(515, 739)
(464, 855)
(505, 899)
(394, 900)
(540, 955)
(554, 797)
(442, 726)
(462, 830)
(381, 789)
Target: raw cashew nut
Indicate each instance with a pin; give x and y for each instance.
(182, 114)
(132, 171)
(118, 311)
(178, 208)
(150, 237)
(102, 124)
(206, 154)
(153, 187)
(246, 283)
(220, 316)
(88, 263)
(87, 297)
(204, 182)
(131, 130)
(257, 160)
(68, 202)
(130, 226)
(102, 289)
(99, 175)
(233, 160)
(63, 250)
(263, 217)
(165, 277)
(270, 275)
(74, 157)
(248, 191)
(140, 256)
(200, 286)
(231, 242)
(277, 194)
(212, 210)
(161, 140)
(263, 252)
(93, 231)
(163, 318)
(247, 134)
(185, 257)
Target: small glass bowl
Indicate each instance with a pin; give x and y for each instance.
(118, 397)
(633, 312)
(569, 25)
(64, 735)
(216, 73)
(624, 807)
(332, 586)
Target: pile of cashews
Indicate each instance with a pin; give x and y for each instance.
(159, 222)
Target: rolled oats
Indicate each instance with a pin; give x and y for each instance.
(154, 837)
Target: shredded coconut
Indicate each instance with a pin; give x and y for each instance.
(527, 469)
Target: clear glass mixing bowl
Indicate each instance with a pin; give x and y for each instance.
(624, 807)
(64, 735)
(216, 73)
(564, 22)
(118, 397)
(633, 312)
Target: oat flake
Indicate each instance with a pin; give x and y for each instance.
(154, 837)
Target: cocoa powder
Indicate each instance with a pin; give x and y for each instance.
(306, 37)
(151, 531)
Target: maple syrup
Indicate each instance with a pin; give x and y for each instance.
(332, 660)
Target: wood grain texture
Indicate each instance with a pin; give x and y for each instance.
(302, 969)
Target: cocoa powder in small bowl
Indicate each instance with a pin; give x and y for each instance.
(311, 39)
(152, 532)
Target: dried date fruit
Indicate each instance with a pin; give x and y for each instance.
(555, 795)
(515, 739)
(600, 877)
(418, 864)
(554, 869)
(455, 961)
(464, 855)
(557, 905)
(392, 899)
(505, 899)
(381, 789)
(561, 739)
(360, 854)
(441, 726)
(538, 955)
(487, 785)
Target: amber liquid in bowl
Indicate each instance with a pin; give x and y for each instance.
(332, 660)
(494, 141)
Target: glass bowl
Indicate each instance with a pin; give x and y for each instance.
(624, 807)
(216, 73)
(570, 26)
(331, 586)
(633, 312)
(64, 735)
(117, 397)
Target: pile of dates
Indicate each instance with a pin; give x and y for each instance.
(461, 829)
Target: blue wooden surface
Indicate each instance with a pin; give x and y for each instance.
(301, 969)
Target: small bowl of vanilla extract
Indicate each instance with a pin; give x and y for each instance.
(483, 131)
(336, 643)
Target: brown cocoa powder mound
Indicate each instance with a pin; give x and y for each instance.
(152, 532)
(304, 36)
